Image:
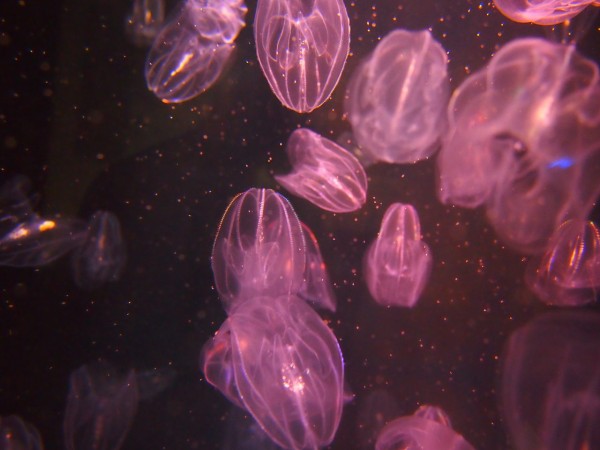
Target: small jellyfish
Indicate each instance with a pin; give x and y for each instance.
(542, 12)
(324, 173)
(302, 49)
(101, 256)
(397, 98)
(427, 429)
(568, 272)
(192, 49)
(397, 265)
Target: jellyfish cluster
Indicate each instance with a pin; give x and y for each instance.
(518, 138)
(273, 357)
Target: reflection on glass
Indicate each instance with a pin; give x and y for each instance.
(542, 12)
(397, 98)
(302, 48)
(568, 273)
(280, 362)
(421, 431)
(397, 265)
(16, 434)
(101, 405)
(101, 256)
(524, 141)
(191, 50)
(324, 173)
(145, 21)
(259, 248)
(550, 382)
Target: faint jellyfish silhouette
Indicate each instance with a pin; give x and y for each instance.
(550, 382)
(193, 47)
(145, 21)
(422, 431)
(259, 248)
(17, 434)
(542, 12)
(286, 368)
(101, 256)
(317, 287)
(324, 173)
(16, 204)
(568, 273)
(375, 410)
(533, 169)
(243, 433)
(302, 49)
(397, 265)
(154, 381)
(397, 98)
(101, 405)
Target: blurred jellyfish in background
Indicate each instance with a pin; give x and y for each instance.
(542, 12)
(524, 141)
(192, 48)
(302, 48)
(550, 382)
(145, 21)
(428, 428)
(324, 173)
(101, 404)
(101, 256)
(16, 434)
(27, 239)
(397, 265)
(397, 98)
(568, 272)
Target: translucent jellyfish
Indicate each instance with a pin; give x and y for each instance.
(550, 382)
(302, 49)
(278, 360)
(542, 12)
(427, 429)
(524, 140)
(101, 405)
(259, 249)
(317, 287)
(101, 256)
(40, 241)
(16, 434)
(568, 272)
(191, 51)
(397, 265)
(26, 239)
(324, 173)
(397, 98)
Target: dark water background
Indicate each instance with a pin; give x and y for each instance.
(76, 118)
